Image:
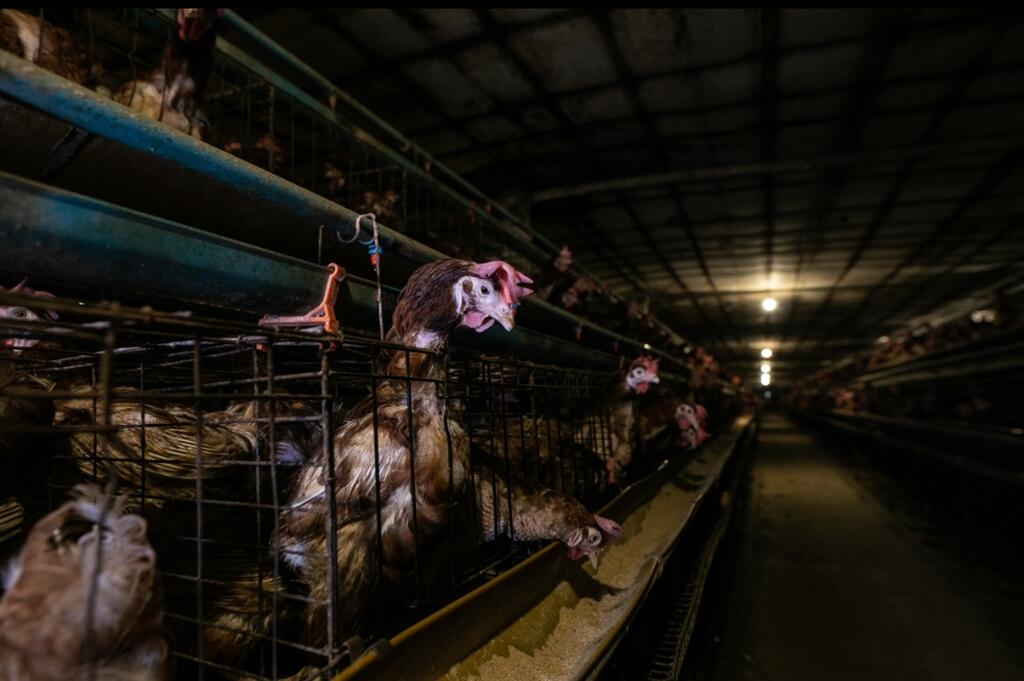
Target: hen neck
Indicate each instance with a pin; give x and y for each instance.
(426, 364)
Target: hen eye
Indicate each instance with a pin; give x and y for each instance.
(20, 313)
(484, 290)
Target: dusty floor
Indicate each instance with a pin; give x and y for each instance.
(826, 585)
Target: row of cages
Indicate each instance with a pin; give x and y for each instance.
(224, 439)
(243, 108)
(246, 110)
(293, 497)
(986, 401)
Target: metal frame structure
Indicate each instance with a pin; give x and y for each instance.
(307, 211)
(264, 104)
(146, 397)
(192, 415)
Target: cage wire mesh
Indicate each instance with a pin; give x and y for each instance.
(205, 428)
(252, 113)
(224, 438)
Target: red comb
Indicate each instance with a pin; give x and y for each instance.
(648, 363)
(510, 279)
(23, 288)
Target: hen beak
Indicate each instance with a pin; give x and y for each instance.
(505, 315)
(575, 553)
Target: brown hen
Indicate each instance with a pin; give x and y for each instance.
(173, 92)
(55, 49)
(69, 613)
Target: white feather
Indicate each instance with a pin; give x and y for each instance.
(28, 32)
(10, 573)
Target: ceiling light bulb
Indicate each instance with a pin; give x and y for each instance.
(766, 379)
(769, 304)
(766, 353)
(766, 368)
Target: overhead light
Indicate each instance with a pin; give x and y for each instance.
(647, 346)
(766, 368)
(766, 353)
(883, 339)
(766, 379)
(769, 304)
(984, 316)
(767, 393)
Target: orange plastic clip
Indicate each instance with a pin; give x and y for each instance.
(322, 314)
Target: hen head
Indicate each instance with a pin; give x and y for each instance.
(490, 293)
(587, 540)
(563, 261)
(443, 295)
(19, 313)
(691, 419)
(193, 24)
(642, 374)
(688, 415)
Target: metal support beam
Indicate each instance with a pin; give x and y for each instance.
(1010, 158)
(327, 89)
(85, 246)
(992, 145)
(41, 89)
(678, 73)
(771, 20)
(857, 110)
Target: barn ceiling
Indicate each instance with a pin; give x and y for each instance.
(861, 166)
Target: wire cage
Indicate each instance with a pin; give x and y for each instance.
(253, 113)
(311, 135)
(225, 438)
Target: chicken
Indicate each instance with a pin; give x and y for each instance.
(656, 415)
(635, 380)
(11, 516)
(76, 610)
(555, 276)
(537, 514)
(335, 178)
(55, 49)
(381, 204)
(155, 441)
(168, 460)
(154, 446)
(267, 151)
(438, 298)
(692, 419)
(599, 444)
(19, 315)
(173, 92)
(22, 416)
(539, 445)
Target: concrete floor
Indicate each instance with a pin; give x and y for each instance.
(827, 586)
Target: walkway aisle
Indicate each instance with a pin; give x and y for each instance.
(827, 587)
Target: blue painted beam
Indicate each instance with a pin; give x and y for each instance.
(39, 88)
(75, 243)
